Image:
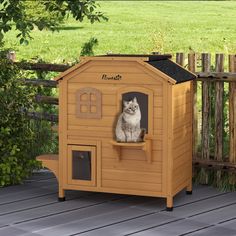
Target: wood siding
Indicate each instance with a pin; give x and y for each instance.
(132, 172)
(181, 135)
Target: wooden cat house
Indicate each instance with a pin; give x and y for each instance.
(90, 100)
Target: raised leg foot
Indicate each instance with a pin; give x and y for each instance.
(169, 208)
(169, 203)
(61, 199)
(189, 189)
(61, 195)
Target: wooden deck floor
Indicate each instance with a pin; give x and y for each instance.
(33, 209)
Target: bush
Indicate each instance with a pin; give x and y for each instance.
(16, 163)
(45, 140)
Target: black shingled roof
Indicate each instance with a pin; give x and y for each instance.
(151, 57)
(173, 70)
(162, 63)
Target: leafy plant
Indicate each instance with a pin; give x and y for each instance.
(16, 163)
(46, 141)
(87, 48)
(26, 15)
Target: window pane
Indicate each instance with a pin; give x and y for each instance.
(81, 165)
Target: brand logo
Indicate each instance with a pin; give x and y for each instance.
(115, 77)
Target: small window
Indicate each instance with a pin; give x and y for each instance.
(89, 103)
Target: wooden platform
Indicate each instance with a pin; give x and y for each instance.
(33, 209)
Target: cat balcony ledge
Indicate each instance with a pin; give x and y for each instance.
(146, 146)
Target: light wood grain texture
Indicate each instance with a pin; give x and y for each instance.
(62, 137)
(151, 168)
(167, 147)
(181, 99)
(182, 137)
(133, 176)
(131, 154)
(92, 103)
(132, 165)
(125, 78)
(51, 162)
(119, 184)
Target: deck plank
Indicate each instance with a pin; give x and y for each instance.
(32, 209)
(155, 220)
(133, 225)
(230, 224)
(87, 224)
(204, 205)
(217, 215)
(173, 228)
(216, 231)
(61, 209)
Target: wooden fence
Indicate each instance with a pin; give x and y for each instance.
(214, 111)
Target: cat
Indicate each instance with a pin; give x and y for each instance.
(128, 125)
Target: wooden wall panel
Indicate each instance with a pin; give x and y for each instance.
(132, 172)
(182, 135)
(134, 176)
(111, 153)
(131, 185)
(131, 72)
(181, 99)
(112, 89)
(126, 78)
(132, 165)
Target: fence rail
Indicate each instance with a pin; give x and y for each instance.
(214, 119)
(214, 111)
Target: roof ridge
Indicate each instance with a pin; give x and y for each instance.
(151, 57)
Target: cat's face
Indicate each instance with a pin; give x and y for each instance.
(131, 107)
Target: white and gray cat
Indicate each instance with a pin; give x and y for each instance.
(128, 125)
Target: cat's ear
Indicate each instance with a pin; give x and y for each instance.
(135, 99)
(125, 103)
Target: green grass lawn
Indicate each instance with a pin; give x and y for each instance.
(140, 27)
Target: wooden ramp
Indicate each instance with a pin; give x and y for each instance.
(33, 209)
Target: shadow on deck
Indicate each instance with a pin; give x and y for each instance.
(33, 209)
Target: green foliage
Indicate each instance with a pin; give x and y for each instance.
(45, 141)
(15, 133)
(87, 48)
(26, 15)
(163, 26)
(224, 181)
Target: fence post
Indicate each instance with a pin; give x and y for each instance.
(192, 68)
(180, 58)
(232, 111)
(11, 55)
(206, 64)
(219, 93)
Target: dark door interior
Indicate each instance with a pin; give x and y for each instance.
(143, 104)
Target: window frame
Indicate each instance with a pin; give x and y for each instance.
(89, 103)
(150, 95)
(91, 149)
